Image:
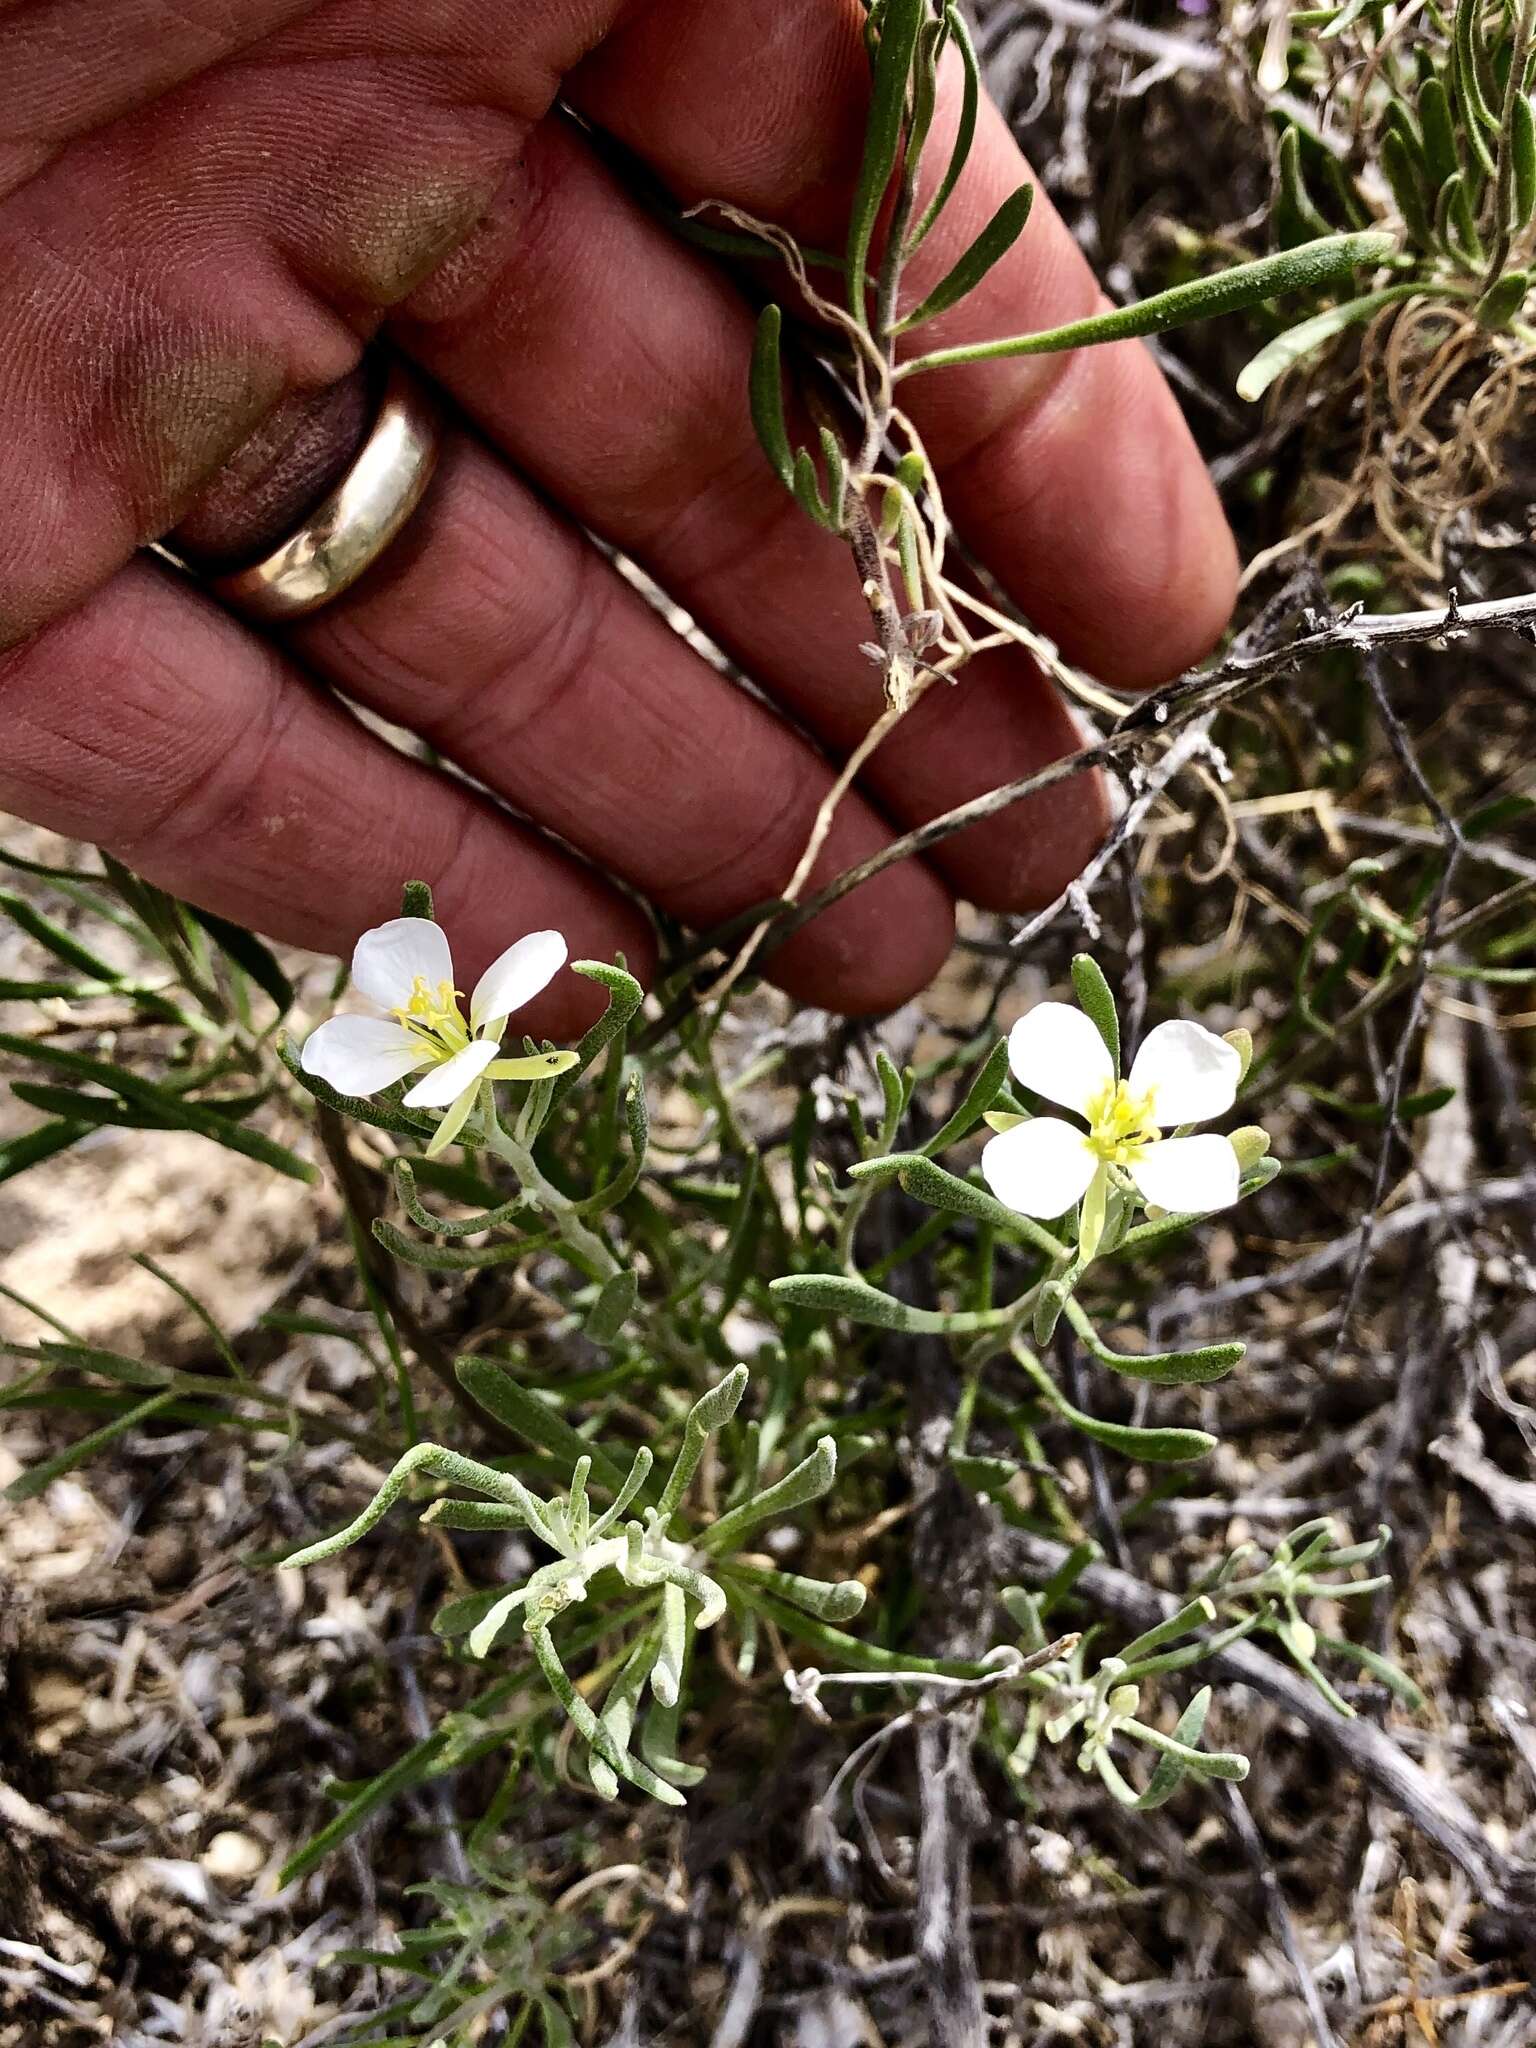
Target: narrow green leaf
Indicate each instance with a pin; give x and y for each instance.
(710, 1412)
(452, 1258)
(1296, 219)
(1500, 305)
(893, 1092)
(30, 1148)
(1196, 1367)
(806, 485)
(808, 1481)
(965, 127)
(1312, 267)
(1402, 176)
(837, 477)
(1438, 127)
(839, 1294)
(55, 939)
(38, 1478)
(613, 1308)
(848, 1653)
(1148, 1446)
(1408, 1109)
(1456, 221)
(1195, 1614)
(1381, 1668)
(1224, 1764)
(178, 1110)
(517, 1213)
(254, 959)
(587, 1725)
(638, 1122)
(1308, 336)
(765, 392)
(979, 1098)
(1097, 1002)
(1471, 83)
(987, 1476)
(925, 93)
(81, 1106)
(1169, 1772)
(993, 243)
(625, 995)
(828, 1601)
(499, 1394)
(899, 25)
(1522, 149)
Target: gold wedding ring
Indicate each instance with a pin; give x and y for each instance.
(352, 526)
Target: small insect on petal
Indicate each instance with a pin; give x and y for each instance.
(1058, 1052)
(388, 961)
(1188, 1176)
(1041, 1169)
(1190, 1073)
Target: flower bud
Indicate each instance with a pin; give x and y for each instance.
(1241, 1042)
(1250, 1143)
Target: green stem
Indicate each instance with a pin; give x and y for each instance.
(587, 1249)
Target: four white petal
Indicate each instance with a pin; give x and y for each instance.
(1182, 1074)
(404, 970)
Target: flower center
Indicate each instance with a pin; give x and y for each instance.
(434, 1017)
(1120, 1125)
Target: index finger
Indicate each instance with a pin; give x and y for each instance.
(1073, 477)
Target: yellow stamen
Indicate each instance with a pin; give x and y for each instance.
(434, 1016)
(1120, 1125)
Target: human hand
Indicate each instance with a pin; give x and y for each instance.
(206, 210)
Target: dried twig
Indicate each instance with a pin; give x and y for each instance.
(1168, 711)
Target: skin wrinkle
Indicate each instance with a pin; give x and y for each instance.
(226, 794)
(91, 63)
(365, 226)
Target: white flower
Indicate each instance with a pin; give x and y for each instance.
(1183, 1074)
(404, 970)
